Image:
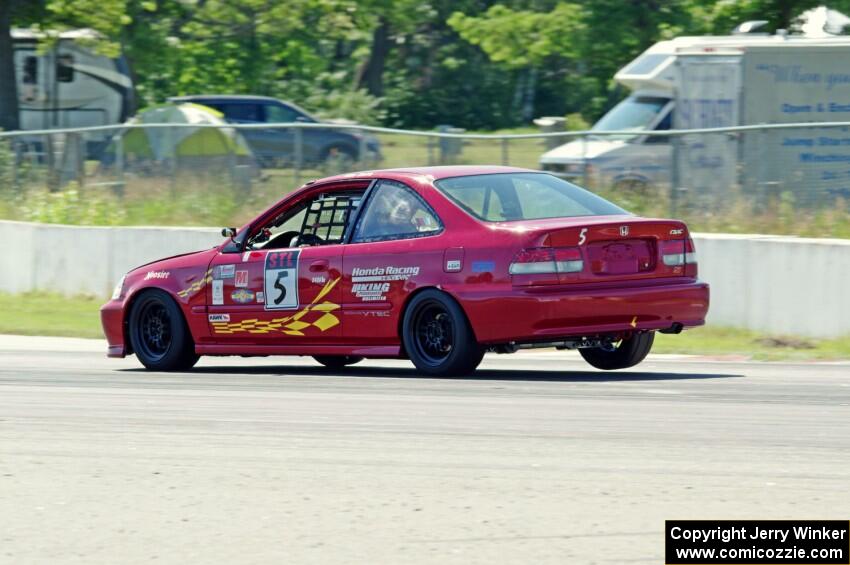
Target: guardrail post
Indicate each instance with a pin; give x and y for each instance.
(505, 156)
(50, 162)
(429, 143)
(78, 153)
(675, 144)
(585, 166)
(172, 160)
(119, 164)
(299, 155)
(13, 147)
(361, 151)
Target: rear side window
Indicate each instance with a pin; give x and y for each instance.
(395, 212)
(241, 112)
(506, 197)
(280, 114)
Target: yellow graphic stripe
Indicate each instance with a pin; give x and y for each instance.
(289, 325)
(196, 286)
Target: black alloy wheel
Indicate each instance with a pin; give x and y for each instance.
(158, 333)
(437, 336)
(155, 329)
(627, 353)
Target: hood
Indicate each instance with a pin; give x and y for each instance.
(166, 262)
(577, 149)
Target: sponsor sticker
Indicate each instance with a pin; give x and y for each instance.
(483, 266)
(381, 274)
(370, 292)
(260, 298)
(157, 275)
(371, 284)
(225, 271)
(453, 265)
(219, 318)
(242, 296)
(217, 292)
(241, 279)
(246, 256)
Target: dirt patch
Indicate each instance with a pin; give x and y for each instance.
(787, 342)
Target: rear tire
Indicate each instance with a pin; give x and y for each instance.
(437, 336)
(628, 353)
(159, 334)
(337, 361)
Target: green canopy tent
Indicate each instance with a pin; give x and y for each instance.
(164, 150)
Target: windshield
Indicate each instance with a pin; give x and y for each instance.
(509, 197)
(645, 64)
(635, 113)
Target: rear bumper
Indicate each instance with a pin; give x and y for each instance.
(550, 313)
(112, 319)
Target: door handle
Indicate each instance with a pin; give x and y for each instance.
(319, 265)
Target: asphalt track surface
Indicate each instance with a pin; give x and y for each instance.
(536, 459)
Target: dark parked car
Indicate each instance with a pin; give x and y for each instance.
(276, 146)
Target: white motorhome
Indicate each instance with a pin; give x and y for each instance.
(69, 85)
(665, 86)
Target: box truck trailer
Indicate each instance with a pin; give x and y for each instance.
(69, 85)
(715, 82)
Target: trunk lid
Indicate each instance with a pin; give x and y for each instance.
(612, 248)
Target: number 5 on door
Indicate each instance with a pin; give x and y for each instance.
(281, 280)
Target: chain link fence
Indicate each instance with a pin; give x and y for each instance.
(749, 177)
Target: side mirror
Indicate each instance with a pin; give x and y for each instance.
(228, 232)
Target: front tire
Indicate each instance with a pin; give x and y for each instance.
(437, 336)
(628, 353)
(159, 334)
(337, 361)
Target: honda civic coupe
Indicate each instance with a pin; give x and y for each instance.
(437, 265)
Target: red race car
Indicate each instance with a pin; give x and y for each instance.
(437, 265)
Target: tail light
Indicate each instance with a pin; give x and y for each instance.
(542, 265)
(680, 253)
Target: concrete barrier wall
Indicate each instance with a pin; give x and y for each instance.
(776, 284)
(87, 260)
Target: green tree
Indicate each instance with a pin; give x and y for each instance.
(722, 17)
